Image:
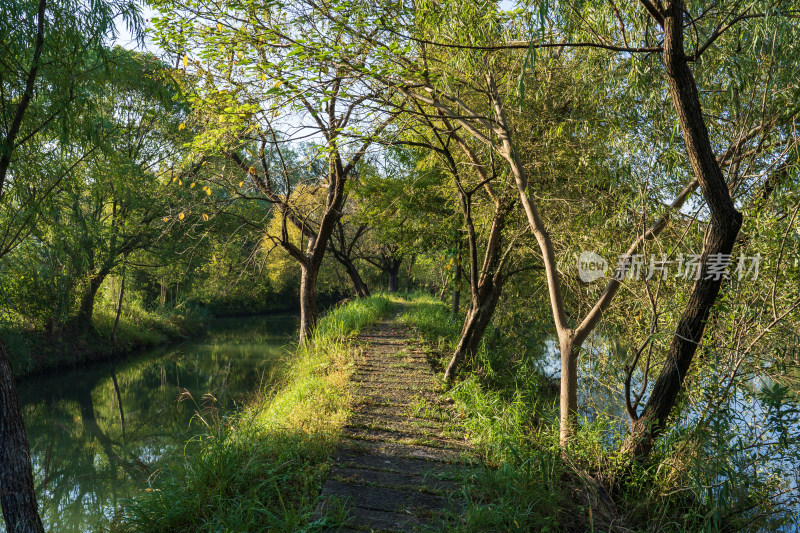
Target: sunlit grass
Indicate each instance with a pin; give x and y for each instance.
(262, 469)
(529, 483)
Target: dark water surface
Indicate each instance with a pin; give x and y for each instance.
(98, 433)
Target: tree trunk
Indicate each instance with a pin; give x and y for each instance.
(162, 298)
(394, 275)
(410, 272)
(568, 406)
(308, 302)
(119, 307)
(725, 224)
(119, 402)
(456, 301)
(17, 494)
(83, 320)
(362, 291)
(478, 318)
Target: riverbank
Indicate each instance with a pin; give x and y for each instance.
(529, 483)
(262, 469)
(36, 353)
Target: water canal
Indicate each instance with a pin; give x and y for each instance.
(98, 433)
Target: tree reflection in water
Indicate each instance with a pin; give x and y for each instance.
(98, 433)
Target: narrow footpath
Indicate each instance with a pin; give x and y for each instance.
(402, 450)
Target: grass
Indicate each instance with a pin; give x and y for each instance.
(262, 469)
(528, 483)
(34, 352)
(518, 488)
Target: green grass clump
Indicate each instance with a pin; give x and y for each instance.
(528, 483)
(261, 469)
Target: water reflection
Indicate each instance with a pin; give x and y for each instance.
(98, 433)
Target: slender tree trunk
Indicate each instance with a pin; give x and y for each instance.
(119, 401)
(119, 307)
(478, 318)
(17, 493)
(308, 301)
(725, 224)
(456, 300)
(162, 299)
(409, 272)
(568, 398)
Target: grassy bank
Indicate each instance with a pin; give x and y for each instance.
(511, 416)
(33, 352)
(261, 469)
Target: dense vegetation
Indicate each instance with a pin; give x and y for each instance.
(613, 189)
(263, 470)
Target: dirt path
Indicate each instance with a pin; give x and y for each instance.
(402, 449)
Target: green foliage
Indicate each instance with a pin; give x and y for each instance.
(32, 352)
(122, 169)
(698, 482)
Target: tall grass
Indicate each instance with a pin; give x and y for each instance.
(530, 484)
(261, 469)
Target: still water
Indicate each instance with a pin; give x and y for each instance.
(97, 434)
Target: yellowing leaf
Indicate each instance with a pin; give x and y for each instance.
(205, 217)
(166, 219)
(181, 216)
(185, 61)
(252, 170)
(241, 183)
(182, 126)
(219, 26)
(180, 182)
(192, 185)
(208, 192)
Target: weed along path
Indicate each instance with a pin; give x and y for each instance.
(402, 449)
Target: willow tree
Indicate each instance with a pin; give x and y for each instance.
(486, 203)
(631, 41)
(737, 55)
(404, 206)
(265, 82)
(114, 203)
(50, 56)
